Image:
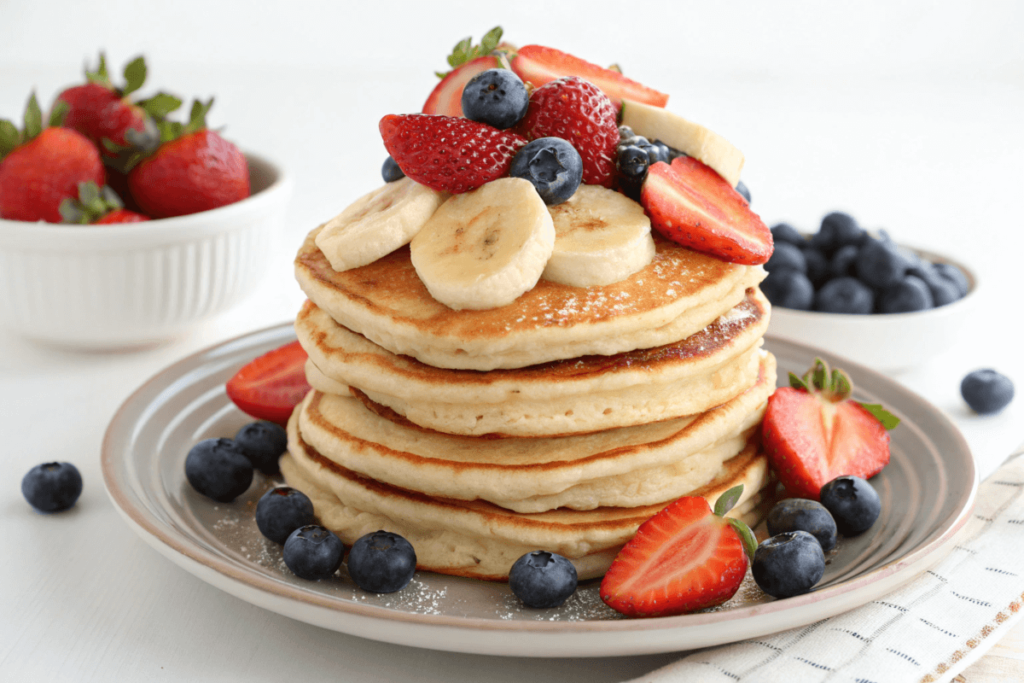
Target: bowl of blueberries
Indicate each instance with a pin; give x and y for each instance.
(860, 295)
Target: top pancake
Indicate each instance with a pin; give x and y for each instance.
(678, 294)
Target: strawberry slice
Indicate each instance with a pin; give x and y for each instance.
(540, 65)
(689, 203)
(446, 98)
(814, 432)
(683, 559)
(448, 154)
(271, 386)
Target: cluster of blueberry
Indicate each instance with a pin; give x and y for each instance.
(792, 561)
(843, 269)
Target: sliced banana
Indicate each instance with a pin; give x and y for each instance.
(485, 248)
(655, 123)
(378, 223)
(601, 237)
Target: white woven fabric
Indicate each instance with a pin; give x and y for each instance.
(930, 630)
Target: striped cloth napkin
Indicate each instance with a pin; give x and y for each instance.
(929, 631)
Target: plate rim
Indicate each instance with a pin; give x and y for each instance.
(153, 532)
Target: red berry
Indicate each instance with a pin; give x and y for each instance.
(446, 98)
(578, 112)
(270, 387)
(121, 216)
(448, 154)
(99, 112)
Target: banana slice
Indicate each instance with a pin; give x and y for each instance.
(485, 248)
(655, 123)
(601, 237)
(378, 223)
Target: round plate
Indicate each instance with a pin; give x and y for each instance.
(927, 492)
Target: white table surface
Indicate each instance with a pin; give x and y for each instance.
(933, 155)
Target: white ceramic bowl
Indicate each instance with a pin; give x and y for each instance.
(116, 286)
(886, 342)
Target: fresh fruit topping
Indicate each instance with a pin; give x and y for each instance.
(41, 166)
(313, 553)
(542, 579)
(692, 205)
(496, 97)
(193, 170)
(52, 486)
(852, 502)
(844, 295)
(800, 514)
(485, 248)
(683, 559)
(465, 51)
(263, 442)
(552, 165)
(789, 288)
(601, 237)
(382, 562)
(540, 65)
(814, 432)
(987, 391)
(575, 110)
(270, 387)
(282, 510)
(449, 154)
(377, 223)
(689, 138)
(218, 469)
(632, 163)
(446, 97)
(788, 564)
(390, 170)
(96, 205)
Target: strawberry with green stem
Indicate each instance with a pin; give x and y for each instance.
(97, 206)
(41, 166)
(467, 60)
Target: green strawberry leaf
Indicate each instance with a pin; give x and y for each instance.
(92, 204)
(820, 375)
(888, 420)
(197, 117)
(160, 105)
(490, 40)
(134, 75)
(57, 114)
(10, 138)
(71, 212)
(169, 130)
(100, 75)
(799, 383)
(727, 501)
(746, 535)
(33, 119)
(464, 50)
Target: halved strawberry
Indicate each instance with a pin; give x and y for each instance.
(683, 559)
(271, 386)
(814, 432)
(540, 65)
(691, 204)
(446, 98)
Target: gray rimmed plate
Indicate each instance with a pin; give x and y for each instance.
(927, 492)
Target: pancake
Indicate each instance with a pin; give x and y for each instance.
(678, 294)
(626, 467)
(475, 538)
(561, 397)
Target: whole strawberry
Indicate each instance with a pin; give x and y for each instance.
(576, 111)
(106, 115)
(193, 170)
(467, 60)
(97, 206)
(40, 167)
(448, 154)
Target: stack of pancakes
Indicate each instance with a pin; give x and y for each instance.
(560, 422)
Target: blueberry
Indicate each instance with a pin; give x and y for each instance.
(632, 161)
(313, 552)
(880, 265)
(842, 262)
(52, 486)
(853, 502)
(817, 266)
(496, 97)
(987, 391)
(542, 579)
(744, 191)
(784, 232)
(954, 275)
(625, 132)
(787, 255)
(788, 288)
(838, 230)
(910, 294)
(800, 514)
(218, 469)
(382, 562)
(391, 171)
(663, 151)
(282, 510)
(552, 165)
(788, 564)
(845, 295)
(263, 443)
(943, 291)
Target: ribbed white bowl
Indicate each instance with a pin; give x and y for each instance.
(113, 286)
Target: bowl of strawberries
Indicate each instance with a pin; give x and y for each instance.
(120, 226)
